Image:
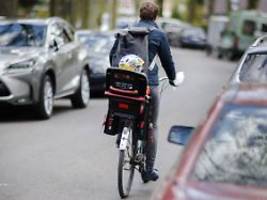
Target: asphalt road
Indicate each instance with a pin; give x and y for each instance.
(68, 157)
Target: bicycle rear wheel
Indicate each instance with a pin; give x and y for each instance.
(126, 166)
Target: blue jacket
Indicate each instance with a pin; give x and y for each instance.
(157, 44)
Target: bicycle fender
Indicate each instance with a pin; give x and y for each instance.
(124, 138)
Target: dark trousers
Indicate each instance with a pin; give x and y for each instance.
(152, 137)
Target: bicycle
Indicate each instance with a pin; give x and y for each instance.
(128, 118)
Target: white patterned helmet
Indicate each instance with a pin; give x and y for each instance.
(132, 63)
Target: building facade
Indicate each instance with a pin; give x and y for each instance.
(221, 6)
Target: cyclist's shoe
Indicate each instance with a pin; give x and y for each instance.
(150, 175)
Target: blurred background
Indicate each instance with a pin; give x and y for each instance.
(104, 13)
(68, 157)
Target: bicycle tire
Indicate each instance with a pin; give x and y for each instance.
(125, 181)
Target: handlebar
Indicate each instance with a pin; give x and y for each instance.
(179, 79)
(163, 78)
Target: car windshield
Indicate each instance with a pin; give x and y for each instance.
(85, 38)
(98, 43)
(20, 35)
(254, 69)
(236, 150)
(103, 45)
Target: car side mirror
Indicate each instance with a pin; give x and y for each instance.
(180, 134)
(53, 45)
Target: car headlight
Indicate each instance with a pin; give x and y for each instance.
(21, 67)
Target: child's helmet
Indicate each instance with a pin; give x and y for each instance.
(132, 63)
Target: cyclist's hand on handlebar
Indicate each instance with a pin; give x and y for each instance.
(172, 83)
(179, 79)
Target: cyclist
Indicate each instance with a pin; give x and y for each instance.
(158, 45)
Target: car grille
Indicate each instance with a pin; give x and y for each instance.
(3, 90)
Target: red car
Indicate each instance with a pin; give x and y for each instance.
(225, 158)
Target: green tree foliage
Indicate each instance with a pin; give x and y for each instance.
(160, 4)
(193, 5)
(75, 11)
(175, 11)
(176, 14)
(84, 13)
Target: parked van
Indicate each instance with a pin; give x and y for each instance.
(172, 28)
(216, 26)
(241, 31)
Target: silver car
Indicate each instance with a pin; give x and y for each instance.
(40, 61)
(252, 68)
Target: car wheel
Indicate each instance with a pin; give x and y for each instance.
(229, 55)
(208, 50)
(82, 96)
(45, 104)
(219, 54)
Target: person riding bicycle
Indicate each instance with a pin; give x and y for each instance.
(157, 45)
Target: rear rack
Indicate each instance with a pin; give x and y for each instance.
(259, 41)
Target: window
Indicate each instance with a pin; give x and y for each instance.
(59, 34)
(254, 69)
(22, 34)
(70, 32)
(249, 27)
(236, 150)
(65, 36)
(56, 34)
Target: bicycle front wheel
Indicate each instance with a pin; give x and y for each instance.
(126, 166)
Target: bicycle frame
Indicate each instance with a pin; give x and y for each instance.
(128, 117)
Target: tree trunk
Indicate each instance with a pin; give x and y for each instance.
(85, 11)
(191, 10)
(253, 4)
(210, 7)
(229, 6)
(8, 8)
(57, 8)
(62, 8)
(101, 10)
(114, 14)
(52, 7)
(137, 6)
(175, 11)
(160, 4)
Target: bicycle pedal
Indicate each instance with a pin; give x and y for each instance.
(139, 158)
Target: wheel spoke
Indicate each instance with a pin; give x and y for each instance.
(126, 168)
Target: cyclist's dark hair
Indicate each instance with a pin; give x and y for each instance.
(148, 10)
